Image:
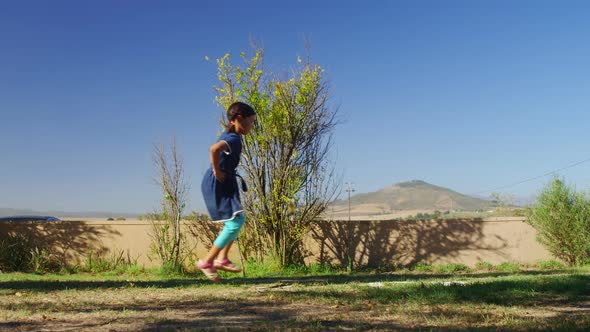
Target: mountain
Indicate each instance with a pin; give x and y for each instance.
(6, 212)
(413, 195)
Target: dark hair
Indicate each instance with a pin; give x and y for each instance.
(235, 109)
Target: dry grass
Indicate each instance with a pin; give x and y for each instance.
(529, 300)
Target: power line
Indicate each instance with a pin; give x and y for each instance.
(533, 178)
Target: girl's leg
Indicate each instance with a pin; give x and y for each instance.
(223, 263)
(228, 234)
(223, 243)
(223, 253)
(227, 238)
(213, 252)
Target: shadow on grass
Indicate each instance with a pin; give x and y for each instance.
(268, 317)
(307, 309)
(267, 322)
(542, 291)
(49, 285)
(238, 314)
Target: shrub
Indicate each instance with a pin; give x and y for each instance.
(550, 265)
(452, 268)
(484, 266)
(420, 267)
(561, 217)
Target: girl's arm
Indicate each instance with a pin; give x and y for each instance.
(215, 150)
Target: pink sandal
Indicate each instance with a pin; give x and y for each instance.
(209, 270)
(227, 265)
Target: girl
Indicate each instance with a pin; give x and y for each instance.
(221, 192)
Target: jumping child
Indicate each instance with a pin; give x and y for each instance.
(221, 192)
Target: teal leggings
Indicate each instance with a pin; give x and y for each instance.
(230, 231)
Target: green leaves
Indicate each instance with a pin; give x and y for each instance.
(562, 218)
(285, 157)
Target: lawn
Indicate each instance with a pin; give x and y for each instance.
(523, 300)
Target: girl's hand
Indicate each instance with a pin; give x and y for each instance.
(219, 175)
(215, 150)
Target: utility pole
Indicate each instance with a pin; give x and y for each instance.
(349, 189)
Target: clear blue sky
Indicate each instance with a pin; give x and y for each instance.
(468, 95)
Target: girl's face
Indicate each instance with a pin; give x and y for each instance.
(244, 125)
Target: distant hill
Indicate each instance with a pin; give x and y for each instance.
(6, 212)
(412, 195)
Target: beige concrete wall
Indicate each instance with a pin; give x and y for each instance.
(371, 243)
(469, 241)
(74, 240)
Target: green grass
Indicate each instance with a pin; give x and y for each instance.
(508, 267)
(270, 269)
(313, 298)
(484, 266)
(506, 290)
(550, 265)
(451, 268)
(420, 267)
